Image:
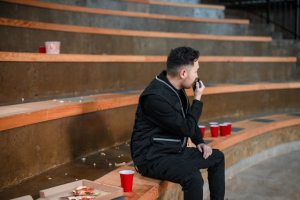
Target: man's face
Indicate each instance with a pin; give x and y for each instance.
(191, 76)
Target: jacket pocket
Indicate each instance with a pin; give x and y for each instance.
(166, 140)
(163, 146)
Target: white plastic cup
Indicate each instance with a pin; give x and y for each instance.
(52, 47)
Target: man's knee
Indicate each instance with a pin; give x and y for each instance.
(218, 154)
(194, 179)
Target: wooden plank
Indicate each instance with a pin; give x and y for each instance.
(31, 113)
(93, 30)
(246, 88)
(123, 13)
(255, 132)
(38, 57)
(177, 4)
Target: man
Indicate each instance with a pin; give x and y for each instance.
(164, 121)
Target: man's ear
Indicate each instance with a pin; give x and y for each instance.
(182, 73)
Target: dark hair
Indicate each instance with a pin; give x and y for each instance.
(179, 57)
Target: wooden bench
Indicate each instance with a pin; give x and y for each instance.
(120, 69)
(177, 4)
(255, 136)
(37, 57)
(124, 13)
(30, 113)
(104, 31)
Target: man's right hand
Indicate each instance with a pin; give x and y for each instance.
(199, 90)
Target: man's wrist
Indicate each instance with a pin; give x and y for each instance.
(201, 144)
(198, 97)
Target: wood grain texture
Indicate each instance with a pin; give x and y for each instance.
(123, 13)
(93, 30)
(31, 113)
(38, 57)
(177, 4)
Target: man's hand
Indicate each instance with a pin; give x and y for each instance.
(199, 91)
(207, 151)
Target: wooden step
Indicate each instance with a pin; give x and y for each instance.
(123, 13)
(39, 77)
(27, 36)
(30, 113)
(282, 128)
(177, 4)
(53, 133)
(38, 57)
(92, 30)
(254, 138)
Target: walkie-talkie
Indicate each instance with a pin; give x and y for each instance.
(194, 87)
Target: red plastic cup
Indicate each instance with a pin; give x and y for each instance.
(228, 127)
(126, 180)
(42, 49)
(214, 129)
(223, 129)
(202, 128)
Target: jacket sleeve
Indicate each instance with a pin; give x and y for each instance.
(197, 138)
(167, 117)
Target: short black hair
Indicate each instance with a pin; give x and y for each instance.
(179, 57)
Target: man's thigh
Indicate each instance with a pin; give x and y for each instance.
(195, 158)
(175, 168)
(171, 168)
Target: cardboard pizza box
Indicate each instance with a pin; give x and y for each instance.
(27, 197)
(107, 192)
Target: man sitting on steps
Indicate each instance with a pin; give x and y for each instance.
(164, 122)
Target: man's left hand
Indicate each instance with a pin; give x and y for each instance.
(207, 151)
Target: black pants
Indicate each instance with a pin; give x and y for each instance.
(184, 168)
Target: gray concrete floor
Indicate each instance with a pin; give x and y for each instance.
(277, 178)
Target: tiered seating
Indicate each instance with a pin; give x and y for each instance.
(249, 138)
(214, 69)
(97, 79)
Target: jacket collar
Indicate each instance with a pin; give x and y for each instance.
(163, 76)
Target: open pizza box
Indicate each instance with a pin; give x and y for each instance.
(101, 191)
(27, 197)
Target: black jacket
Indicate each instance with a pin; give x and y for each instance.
(162, 124)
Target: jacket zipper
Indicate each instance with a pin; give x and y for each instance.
(185, 138)
(167, 140)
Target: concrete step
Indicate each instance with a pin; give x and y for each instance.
(26, 36)
(36, 77)
(243, 130)
(72, 171)
(73, 15)
(257, 139)
(52, 133)
(216, 12)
